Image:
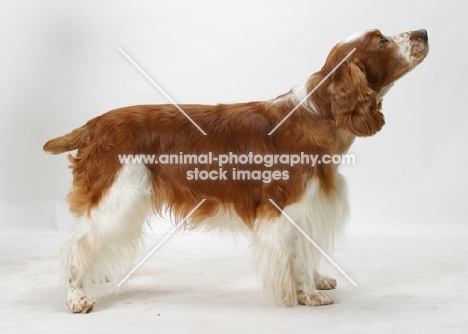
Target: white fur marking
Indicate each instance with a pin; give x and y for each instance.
(322, 218)
(285, 259)
(404, 46)
(299, 93)
(296, 95)
(103, 245)
(272, 256)
(356, 37)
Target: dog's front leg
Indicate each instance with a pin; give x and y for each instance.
(273, 251)
(308, 279)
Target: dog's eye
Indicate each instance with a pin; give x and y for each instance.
(383, 41)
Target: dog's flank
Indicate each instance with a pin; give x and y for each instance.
(112, 200)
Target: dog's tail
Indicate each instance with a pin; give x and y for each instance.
(69, 142)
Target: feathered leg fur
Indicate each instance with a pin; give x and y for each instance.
(104, 242)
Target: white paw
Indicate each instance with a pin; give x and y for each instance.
(314, 298)
(78, 302)
(325, 283)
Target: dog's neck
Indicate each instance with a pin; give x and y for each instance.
(316, 106)
(343, 141)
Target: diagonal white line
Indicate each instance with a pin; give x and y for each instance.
(160, 243)
(312, 91)
(313, 242)
(160, 89)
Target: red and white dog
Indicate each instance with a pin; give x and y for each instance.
(111, 200)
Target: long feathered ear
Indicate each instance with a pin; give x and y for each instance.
(353, 104)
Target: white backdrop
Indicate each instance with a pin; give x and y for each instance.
(60, 67)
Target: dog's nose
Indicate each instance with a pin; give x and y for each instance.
(423, 34)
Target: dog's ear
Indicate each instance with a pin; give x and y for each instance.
(354, 104)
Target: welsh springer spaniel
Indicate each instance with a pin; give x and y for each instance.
(112, 199)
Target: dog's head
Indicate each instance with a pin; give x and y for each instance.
(357, 87)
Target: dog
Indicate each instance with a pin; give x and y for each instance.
(111, 199)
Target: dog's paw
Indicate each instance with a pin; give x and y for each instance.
(314, 298)
(325, 283)
(78, 302)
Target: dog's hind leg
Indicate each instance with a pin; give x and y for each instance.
(104, 242)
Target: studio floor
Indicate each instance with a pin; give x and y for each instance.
(204, 283)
